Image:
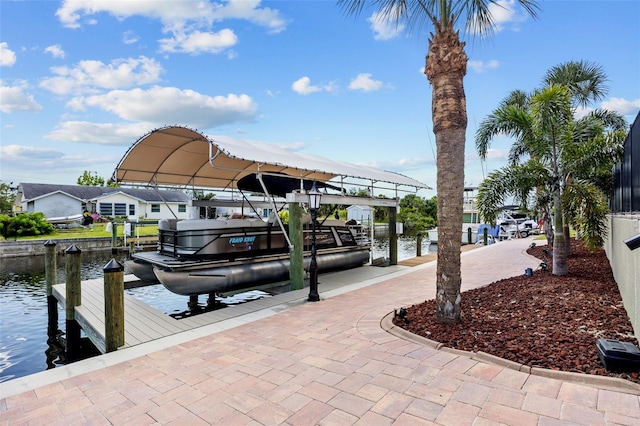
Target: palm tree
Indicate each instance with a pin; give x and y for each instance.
(569, 161)
(446, 66)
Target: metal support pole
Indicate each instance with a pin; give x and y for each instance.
(313, 266)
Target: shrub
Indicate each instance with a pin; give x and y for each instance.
(25, 224)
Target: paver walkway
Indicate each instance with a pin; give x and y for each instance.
(324, 363)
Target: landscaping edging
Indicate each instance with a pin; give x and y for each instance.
(601, 382)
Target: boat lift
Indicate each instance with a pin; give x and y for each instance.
(180, 157)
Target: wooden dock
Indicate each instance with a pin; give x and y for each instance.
(143, 323)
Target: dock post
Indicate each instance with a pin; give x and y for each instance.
(73, 299)
(469, 235)
(296, 270)
(50, 270)
(114, 237)
(485, 235)
(419, 244)
(113, 305)
(393, 237)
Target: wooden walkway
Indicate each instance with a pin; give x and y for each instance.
(144, 323)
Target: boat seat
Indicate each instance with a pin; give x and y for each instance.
(238, 223)
(167, 224)
(200, 224)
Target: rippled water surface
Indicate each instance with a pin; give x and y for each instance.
(25, 345)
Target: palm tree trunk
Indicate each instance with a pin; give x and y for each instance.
(446, 66)
(559, 246)
(567, 237)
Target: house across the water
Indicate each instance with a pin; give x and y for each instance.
(69, 200)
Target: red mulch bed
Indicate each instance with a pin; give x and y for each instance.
(542, 321)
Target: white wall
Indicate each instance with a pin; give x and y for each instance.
(359, 213)
(55, 205)
(625, 263)
(119, 198)
(165, 211)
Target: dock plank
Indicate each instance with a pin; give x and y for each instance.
(143, 323)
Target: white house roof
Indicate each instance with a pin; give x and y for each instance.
(179, 156)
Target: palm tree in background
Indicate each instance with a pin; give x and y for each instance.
(446, 66)
(569, 160)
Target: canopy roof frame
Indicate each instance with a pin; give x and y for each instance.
(176, 156)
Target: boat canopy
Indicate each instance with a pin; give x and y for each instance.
(179, 156)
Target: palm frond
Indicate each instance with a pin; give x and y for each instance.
(586, 206)
(585, 80)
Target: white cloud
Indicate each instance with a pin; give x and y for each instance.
(365, 83)
(480, 66)
(55, 51)
(503, 12)
(164, 105)
(13, 98)
(91, 76)
(26, 154)
(188, 21)
(7, 56)
(384, 29)
(198, 42)
(303, 86)
(497, 154)
(403, 164)
(116, 134)
(622, 106)
(581, 112)
(129, 37)
(43, 163)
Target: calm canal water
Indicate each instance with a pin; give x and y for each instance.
(25, 345)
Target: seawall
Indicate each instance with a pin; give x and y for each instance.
(36, 247)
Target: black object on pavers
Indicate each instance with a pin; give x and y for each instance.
(618, 356)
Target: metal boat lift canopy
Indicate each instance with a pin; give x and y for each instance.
(179, 156)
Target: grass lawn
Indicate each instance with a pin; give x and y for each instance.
(98, 230)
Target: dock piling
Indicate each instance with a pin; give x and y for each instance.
(73, 299)
(419, 244)
(113, 305)
(50, 269)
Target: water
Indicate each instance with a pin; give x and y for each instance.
(25, 344)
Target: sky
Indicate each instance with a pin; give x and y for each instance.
(82, 80)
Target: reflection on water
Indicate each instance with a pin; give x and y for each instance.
(26, 344)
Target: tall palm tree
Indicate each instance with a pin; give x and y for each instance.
(569, 161)
(446, 66)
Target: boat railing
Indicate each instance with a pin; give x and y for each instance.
(199, 242)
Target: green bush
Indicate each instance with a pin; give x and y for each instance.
(25, 224)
